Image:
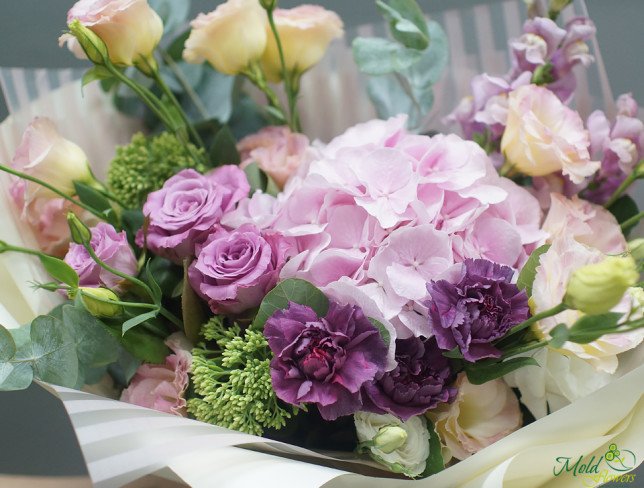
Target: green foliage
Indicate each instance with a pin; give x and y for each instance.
(591, 327)
(291, 290)
(480, 373)
(529, 270)
(259, 180)
(233, 383)
(434, 462)
(623, 209)
(144, 165)
(404, 68)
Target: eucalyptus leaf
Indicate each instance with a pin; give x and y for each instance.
(406, 22)
(290, 290)
(15, 376)
(95, 346)
(173, 13)
(591, 327)
(7, 345)
(478, 374)
(215, 92)
(429, 68)
(529, 270)
(377, 56)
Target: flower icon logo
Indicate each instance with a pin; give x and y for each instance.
(617, 460)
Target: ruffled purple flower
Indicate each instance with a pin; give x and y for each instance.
(324, 360)
(112, 248)
(420, 381)
(234, 270)
(188, 207)
(480, 308)
(619, 145)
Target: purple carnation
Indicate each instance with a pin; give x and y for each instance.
(234, 270)
(112, 248)
(187, 208)
(477, 310)
(417, 384)
(324, 360)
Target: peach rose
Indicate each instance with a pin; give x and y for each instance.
(479, 416)
(131, 29)
(543, 136)
(305, 32)
(276, 150)
(230, 37)
(162, 386)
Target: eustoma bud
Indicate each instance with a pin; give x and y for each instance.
(80, 233)
(596, 288)
(95, 49)
(97, 302)
(389, 438)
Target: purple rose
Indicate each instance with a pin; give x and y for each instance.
(188, 207)
(112, 248)
(419, 382)
(235, 269)
(324, 360)
(477, 310)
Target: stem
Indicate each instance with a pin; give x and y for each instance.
(632, 221)
(166, 90)
(4, 247)
(25, 176)
(628, 181)
(291, 93)
(506, 169)
(256, 76)
(535, 318)
(526, 348)
(148, 306)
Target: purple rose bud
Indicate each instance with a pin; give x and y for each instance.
(419, 382)
(188, 207)
(234, 270)
(477, 310)
(324, 360)
(112, 248)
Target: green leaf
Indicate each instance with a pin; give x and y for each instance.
(406, 22)
(192, 311)
(224, 148)
(291, 290)
(215, 92)
(165, 274)
(559, 335)
(388, 96)
(148, 276)
(92, 197)
(384, 333)
(139, 319)
(51, 352)
(591, 327)
(124, 368)
(132, 220)
(95, 346)
(623, 209)
(478, 374)
(7, 345)
(96, 73)
(140, 344)
(529, 270)
(376, 56)
(429, 68)
(15, 376)
(259, 180)
(59, 270)
(434, 462)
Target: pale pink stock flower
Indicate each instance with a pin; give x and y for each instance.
(162, 386)
(479, 416)
(544, 136)
(276, 150)
(130, 29)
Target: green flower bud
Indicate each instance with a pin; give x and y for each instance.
(636, 248)
(4, 247)
(96, 301)
(389, 438)
(596, 288)
(79, 231)
(94, 47)
(268, 4)
(557, 6)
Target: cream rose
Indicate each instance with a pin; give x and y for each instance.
(44, 154)
(305, 33)
(230, 38)
(130, 29)
(543, 136)
(479, 416)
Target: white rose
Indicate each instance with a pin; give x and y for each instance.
(405, 454)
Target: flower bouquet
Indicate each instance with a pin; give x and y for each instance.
(397, 302)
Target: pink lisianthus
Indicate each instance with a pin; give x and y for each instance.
(162, 386)
(276, 150)
(586, 222)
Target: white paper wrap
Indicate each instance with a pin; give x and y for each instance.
(122, 442)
